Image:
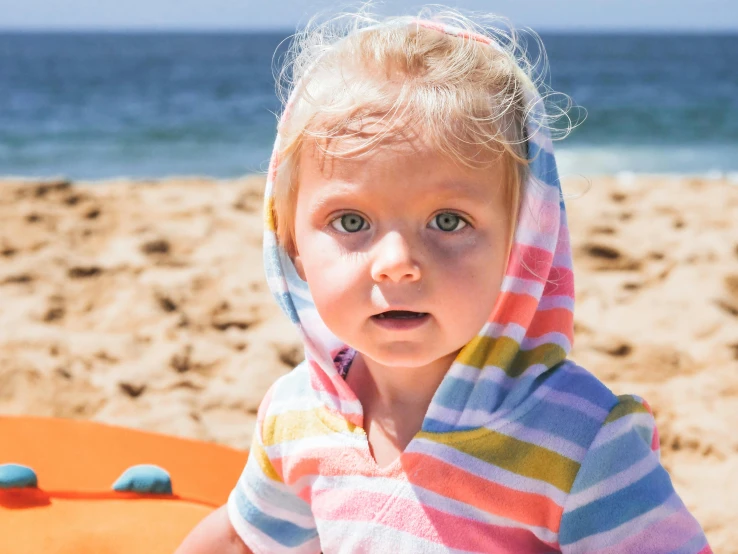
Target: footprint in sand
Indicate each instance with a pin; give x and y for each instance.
(734, 349)
(75, 198)
(225, 315)
(615, 347)
(290, 356)
(156, 246)
(602, 230)
(83, 272)
(249, 201)
(43, 189)
(605, 257)
(731, 284)
(632, 286)
(131, 389)
(93, 213)
(166, 303)
(644, 363)
(181, 361)
(729, 303)
(21, 278)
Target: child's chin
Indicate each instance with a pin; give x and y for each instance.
(404, 356)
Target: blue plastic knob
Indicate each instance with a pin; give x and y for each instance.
(17, 476)
(144, 478)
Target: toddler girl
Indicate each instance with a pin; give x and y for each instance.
(416, 236)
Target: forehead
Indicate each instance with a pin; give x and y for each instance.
(373, 156)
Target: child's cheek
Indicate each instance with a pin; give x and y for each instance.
(334, 275)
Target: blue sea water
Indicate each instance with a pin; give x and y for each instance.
(101, 105)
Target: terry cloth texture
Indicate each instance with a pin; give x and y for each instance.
(521, 450)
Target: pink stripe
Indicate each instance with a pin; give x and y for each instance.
(561, 282)
(333, 462)
(665, 535)
(562, 243)
(306, 494)
(325, 385)
(322, 382)
(264, 406)
(655, 443)
(523, 257)
(541, 214)
(424, 522)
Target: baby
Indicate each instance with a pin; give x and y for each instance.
(417, 237)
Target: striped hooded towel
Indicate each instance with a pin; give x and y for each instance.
(521, 450)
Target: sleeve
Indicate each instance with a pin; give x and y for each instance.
(266, 513)
(622, 500)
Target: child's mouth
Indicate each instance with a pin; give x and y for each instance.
(399, 314)
(400, 320)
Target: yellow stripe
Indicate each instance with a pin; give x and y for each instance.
(505, 353)
(258, 453)
(627, 405)
(290, 426)
(269, 219)
(511, 454)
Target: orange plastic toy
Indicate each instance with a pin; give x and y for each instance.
(74, 509)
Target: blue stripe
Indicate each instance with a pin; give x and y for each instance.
(645, 432)
(285, 533)
(585, 386)
(453, 392)
(431, 425)
(458, 394)
(484, 395)
(267, 491)
(288, 307)
(618, 508)
(611, 458)
(563, 422)
(302, 304)
(526, 385)
(543, 165)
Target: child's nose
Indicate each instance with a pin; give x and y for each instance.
(393, 259)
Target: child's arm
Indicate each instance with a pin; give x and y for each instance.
(215, 535)
(622, 499)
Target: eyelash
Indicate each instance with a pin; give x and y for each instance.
(340, 217)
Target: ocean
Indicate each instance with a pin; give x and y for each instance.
(147, 105)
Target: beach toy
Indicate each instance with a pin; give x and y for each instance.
(80, 487)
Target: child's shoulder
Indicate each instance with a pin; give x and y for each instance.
(291, 391)
(574, 390)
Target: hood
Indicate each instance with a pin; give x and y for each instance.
(529, 331)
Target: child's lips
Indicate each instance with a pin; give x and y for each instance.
(399, 320)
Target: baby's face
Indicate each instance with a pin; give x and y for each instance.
(403, 228)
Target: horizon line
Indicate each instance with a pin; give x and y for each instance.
(289, 30)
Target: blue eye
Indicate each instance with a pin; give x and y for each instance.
(448, 222)
(350, 223)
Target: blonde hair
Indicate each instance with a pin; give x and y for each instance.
(472, 92)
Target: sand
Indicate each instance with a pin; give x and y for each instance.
(144, 304)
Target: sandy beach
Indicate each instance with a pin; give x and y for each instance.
(144, 304)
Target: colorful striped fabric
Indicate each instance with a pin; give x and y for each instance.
(521, 450)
